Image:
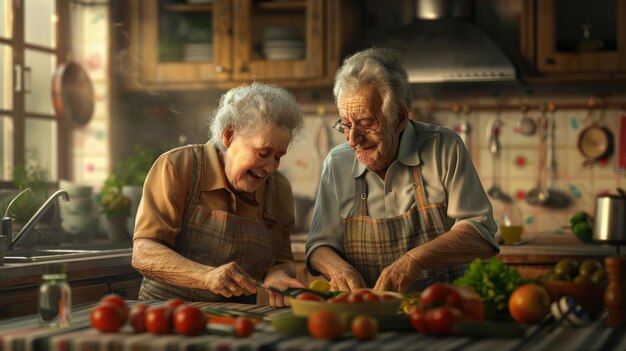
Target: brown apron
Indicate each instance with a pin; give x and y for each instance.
(373, 244)
(214, 238)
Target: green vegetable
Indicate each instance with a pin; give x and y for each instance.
(583, 231)
(577, 217)
(494, 282)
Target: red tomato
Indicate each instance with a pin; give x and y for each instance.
(244, 326)
(417, 316)
(158, 320)
(370, 297)
(437, 294)
(326, 325)
(355, 298)
(440, 320)
(309, 297)
(364, 327)
(189, 320)
(106, 317)
(137, 317)
(119, 301)
(173, 303)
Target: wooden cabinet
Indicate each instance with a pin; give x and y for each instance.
(577, 37)
(222, 43)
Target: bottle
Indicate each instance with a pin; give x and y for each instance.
(615, 294)
(55, 297)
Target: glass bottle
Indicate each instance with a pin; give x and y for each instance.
(55, 297)
(511, 223)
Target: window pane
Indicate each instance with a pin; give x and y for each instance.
(41, 145)
(6, 18)
(6, 85)
(42, 66)
(6, 148)
(40, 22)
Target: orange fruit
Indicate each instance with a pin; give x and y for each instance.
(364, 327)
(326, 325)
(529, 304)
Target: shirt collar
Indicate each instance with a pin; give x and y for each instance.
(407, 154)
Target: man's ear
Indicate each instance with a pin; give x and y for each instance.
(227, 136)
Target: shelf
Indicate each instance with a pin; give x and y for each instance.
(189, 8)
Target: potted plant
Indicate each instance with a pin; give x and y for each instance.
(116, 207)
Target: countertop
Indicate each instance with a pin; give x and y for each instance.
(23, 334)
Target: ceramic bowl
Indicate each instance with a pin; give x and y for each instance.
(589, 295)
(387, 307)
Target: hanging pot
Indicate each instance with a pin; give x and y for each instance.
(595, 142)
(72, 93)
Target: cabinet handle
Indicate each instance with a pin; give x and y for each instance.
(549, 61)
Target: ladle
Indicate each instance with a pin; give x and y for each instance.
(494, 148)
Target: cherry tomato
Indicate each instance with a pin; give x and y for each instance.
(244, 326)
(437, 294)
(189, 320)
(355, 297)
(370, 297)
(364, 327)
(106, 317)
(137, 317)
(117, 300)
(173, 303)
(158, 320)
(305, 296)
(417, 316)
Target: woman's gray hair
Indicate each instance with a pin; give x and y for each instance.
(383, 69)
(247, 107)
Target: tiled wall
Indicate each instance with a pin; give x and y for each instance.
(516, 170)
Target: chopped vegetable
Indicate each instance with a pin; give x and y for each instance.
(494, 282)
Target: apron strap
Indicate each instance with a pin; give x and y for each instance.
(420, 195)
(269, 213)
(360, 200)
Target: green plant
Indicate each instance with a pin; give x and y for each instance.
(111, 199)
(30, 176)
(134, 169)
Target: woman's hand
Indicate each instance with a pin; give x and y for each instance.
(282, 281)
(346, 278)
(229, 280)
(399, 275)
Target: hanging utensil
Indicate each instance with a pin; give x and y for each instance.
(462, 127)
(539, 194)
(595, 142)
(526, 125)
(556, 198)
(72, 93)
(493, 135)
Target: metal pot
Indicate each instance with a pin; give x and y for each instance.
(595, 142)
(73, 93)
(610, 219)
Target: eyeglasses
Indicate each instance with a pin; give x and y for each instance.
(366, 126)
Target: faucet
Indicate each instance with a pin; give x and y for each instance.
(35, 218)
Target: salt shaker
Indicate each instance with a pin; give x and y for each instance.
(615, 294)
(55, 297)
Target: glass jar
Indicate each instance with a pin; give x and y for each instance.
(511, 224)
(55, 297)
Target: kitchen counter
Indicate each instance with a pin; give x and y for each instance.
(24, 334)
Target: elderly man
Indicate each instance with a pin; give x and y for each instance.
(400, 204)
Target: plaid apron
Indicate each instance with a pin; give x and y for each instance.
(214, 238)
(373, 244)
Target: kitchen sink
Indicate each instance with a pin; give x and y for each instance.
(43, 255)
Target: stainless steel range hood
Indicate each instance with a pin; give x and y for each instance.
(442, 45)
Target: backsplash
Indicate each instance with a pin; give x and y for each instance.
(515, 170)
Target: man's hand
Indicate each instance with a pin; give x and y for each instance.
(398, 276)
(229, 280)
(282, 281)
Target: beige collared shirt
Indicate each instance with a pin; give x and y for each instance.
(167, 186)
(448, 173)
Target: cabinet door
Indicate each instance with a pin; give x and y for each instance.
(278, 39)
(179, 44)
(129, 289)
(581, 36)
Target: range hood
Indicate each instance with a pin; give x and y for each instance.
(442, 45)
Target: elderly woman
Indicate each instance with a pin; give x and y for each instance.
(400, 205)
(214, 219)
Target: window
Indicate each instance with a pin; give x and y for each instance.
(29, 49)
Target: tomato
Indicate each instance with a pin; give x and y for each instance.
(355, 298)
(158, 320)
(173, 303)
(189, 320)
(137, 317)
(529, 304)
(440, 320)
(305, 296)
(106, 317)
(119, 301)
(324, 324)
(370, 297)
(437, 294)
(244, 326)
(364, 327)
(417, 316)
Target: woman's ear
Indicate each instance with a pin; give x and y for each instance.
(227, 136)
(403, 119)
